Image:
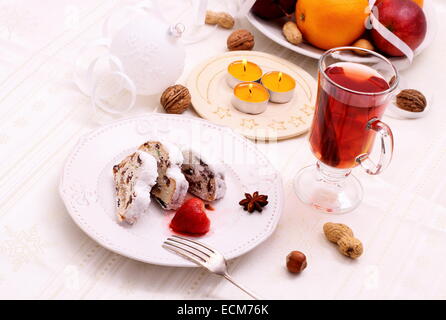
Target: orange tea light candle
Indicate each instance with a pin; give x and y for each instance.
(243, 71)
(280, 85)
(250, 97)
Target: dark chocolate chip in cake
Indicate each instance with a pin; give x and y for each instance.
(166, 180)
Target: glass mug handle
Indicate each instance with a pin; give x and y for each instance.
(386, 139)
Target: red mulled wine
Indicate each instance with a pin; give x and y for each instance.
(348, 98)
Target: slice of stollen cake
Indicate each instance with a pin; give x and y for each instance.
(134, 178)
(206, 179)
(171, 185)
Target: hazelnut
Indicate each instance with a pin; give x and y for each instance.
(296, 261)
(363, 44)
(240, 40)
(176, 99)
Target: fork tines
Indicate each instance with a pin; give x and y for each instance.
(189, 249)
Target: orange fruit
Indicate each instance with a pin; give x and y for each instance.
(331, 23)
(419, 2)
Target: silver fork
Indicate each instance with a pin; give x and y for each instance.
(204, 256)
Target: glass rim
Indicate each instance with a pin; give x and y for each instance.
(380, 56)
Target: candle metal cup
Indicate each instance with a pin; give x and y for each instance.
(243, 71)
(253, 104)
(284, 94)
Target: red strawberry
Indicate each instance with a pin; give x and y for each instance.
(191, 218)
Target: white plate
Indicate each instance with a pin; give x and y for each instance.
(273, 30)
(87, 188)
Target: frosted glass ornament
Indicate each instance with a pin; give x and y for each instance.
(149, 53)
(144, 57)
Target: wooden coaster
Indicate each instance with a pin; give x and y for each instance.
(211, 98)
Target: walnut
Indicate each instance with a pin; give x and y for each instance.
(411, 100)
(240, 40)
(176, 99)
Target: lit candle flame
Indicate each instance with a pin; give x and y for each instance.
(280, 77)
(245, 63)
(250, 89)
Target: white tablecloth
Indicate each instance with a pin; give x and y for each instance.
(43, 254)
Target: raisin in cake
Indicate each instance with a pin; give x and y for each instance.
(206, 181)
(134, 178)
(171, 185)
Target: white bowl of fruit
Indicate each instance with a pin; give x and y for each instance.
(311, 27)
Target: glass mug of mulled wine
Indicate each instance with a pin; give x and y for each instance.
(351, 99)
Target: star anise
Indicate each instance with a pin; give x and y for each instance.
(254, 202)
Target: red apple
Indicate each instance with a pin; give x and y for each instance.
(405, 19)
(273, 9)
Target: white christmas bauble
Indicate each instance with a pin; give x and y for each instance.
(151, 56)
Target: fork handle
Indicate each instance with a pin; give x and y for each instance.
(227, 277)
